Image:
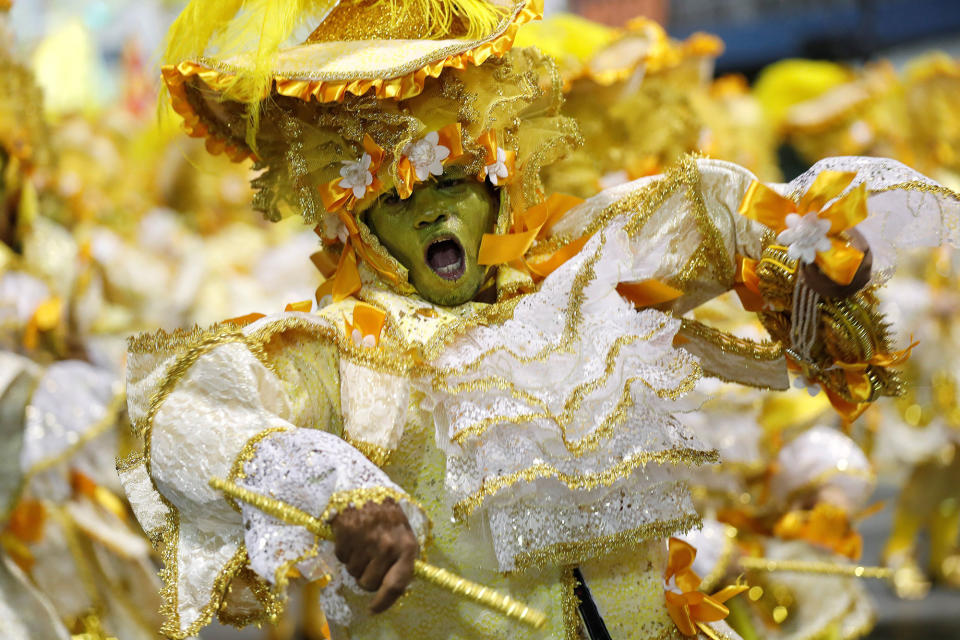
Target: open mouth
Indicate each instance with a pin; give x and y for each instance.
(446, 257)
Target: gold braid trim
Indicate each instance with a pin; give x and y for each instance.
(374, 453)
(731, 344)
(572, 553)
(581, 482)
(359, 498)
(602, 432)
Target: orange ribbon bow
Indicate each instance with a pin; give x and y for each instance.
(692, 609)
(841, 261)
(367, 325)
(528, 227)
(825, 525)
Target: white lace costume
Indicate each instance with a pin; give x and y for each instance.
(535, 434)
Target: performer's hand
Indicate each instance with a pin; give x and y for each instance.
(378, 548)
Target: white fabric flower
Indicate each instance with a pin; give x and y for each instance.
(357, 175)
(325, 301)
(334, 229)
(427, 155)
(498, 170)
(805, 236)
(368, 341)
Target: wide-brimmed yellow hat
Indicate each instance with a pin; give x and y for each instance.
(382, 95)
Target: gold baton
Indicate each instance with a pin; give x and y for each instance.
(815, 567)
(441, 577)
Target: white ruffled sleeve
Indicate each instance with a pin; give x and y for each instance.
(216, 404)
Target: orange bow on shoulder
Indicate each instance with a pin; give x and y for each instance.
(528, 227)
(692, 609)
(838, 259)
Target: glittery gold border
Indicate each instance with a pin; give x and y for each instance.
(571, 553)
(374, 453)
(581, 481)
(603, 431)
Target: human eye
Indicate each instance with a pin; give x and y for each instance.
(390, 199)
(449, 183)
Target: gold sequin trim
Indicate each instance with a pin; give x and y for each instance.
(730, 344)
(570, 604)
(571, 553)
(585, 481)
(604, 430)
(358, 498)
(374, 453)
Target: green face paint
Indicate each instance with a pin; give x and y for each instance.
(436, 234)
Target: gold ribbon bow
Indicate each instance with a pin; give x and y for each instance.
(841, 261)
(692, 609)
(450, 137)
(336, 197)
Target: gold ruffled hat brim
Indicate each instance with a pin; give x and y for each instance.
(329, 71)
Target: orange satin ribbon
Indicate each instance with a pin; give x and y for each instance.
(84, 485)
(346, 280)
(450, 137)
(335, 197)
(244, 320)
(302, 306)
(488, 141)
(529, 226)
(858, 383)
(648, 293)
(841, 261)
(692, 609)
(368, 320)
(747, 284)
(825, 526)
(45, 317)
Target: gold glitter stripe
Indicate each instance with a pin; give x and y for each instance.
(582, 481)
(571, 553)
(570, 604)
(574, 315)
(730, 344)
(374, 453)
(918, 185)
(358, 498)
(601, 432)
